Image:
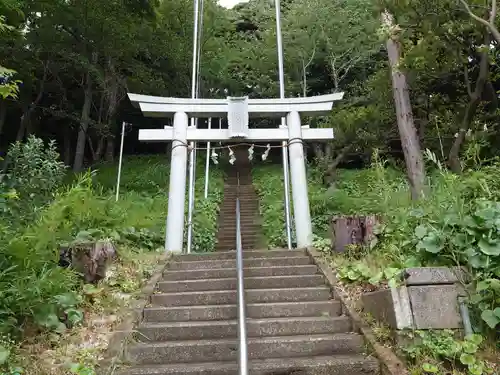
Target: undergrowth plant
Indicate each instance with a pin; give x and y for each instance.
(37, 296)
(438, 352)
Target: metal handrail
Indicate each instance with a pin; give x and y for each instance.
(242, 329)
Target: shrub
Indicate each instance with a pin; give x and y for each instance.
(35, 173)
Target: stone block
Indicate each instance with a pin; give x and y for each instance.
(435, 306)
(434, 275)
(390, 306)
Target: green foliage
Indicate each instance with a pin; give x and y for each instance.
(456, 225)
(10, 88)
(147, 174)
(439, 351)
(269, 186)
(34, 175)
(34, 290)
(206, 211)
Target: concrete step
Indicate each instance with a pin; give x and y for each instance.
(227, 224)
(157, 314)
(262, 282)
(255, 328)
(319, 365)
(228, 297)
(258, 348)
(232, 255)
(245, 220)
(220, 273)
(231, 236)
(229, 263)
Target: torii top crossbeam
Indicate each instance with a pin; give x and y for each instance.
(157, 106)
(238, 112)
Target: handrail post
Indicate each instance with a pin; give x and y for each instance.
(242, 330)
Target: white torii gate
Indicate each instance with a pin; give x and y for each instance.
(238, 111)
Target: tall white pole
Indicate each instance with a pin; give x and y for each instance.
(192, 155)
(302, 215)
(207, 164)
(174, 236)
(120, 162)
(279, 42)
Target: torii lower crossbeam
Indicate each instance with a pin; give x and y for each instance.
(180, 134)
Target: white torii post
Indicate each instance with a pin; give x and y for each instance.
(238, 111)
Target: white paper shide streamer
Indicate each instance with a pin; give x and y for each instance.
(266, 153)
(251, 152)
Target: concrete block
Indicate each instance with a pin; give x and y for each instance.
(435, 306)
(434, 275)
(390, 306)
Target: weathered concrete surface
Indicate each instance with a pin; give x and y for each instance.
(390, 364)
(287, 281)
(435, 306)
(319, 365)
(434, 275)
(258, 348)
(253, 262)
(390, 306)
(222, 255)
(255, 328)
(218, 273)
(225, 297)
(254, 310)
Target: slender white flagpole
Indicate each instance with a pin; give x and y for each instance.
(192, 155)
(207, 164)
(120, 162)
(286, 178)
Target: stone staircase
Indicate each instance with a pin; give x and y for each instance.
(249, 208)
(294, 326)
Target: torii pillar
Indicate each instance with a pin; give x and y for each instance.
(238, 111)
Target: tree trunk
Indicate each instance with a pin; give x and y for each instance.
(3, 114)
(407, 132)
(110, 148)
(67, 145)
(352, 230)
(97, 156)
(84, 124)
(26, 125)
(470, 111)
(331, 171)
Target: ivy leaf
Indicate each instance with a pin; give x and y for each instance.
(467, 359)
(487, 248)
(475, 338)
(491, 318)
(497, 312)
(420, 231)
(478, 261)
(4, 355)
(430, 368)
(430, 243)
(469, 347)
(476, 369)
(74, 316)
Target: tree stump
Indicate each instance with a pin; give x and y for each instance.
(352, 230)
(90, 259)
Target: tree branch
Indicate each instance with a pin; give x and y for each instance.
(467, 81)
(489, 24)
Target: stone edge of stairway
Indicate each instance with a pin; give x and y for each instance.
(390, 364)
(124, 332)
